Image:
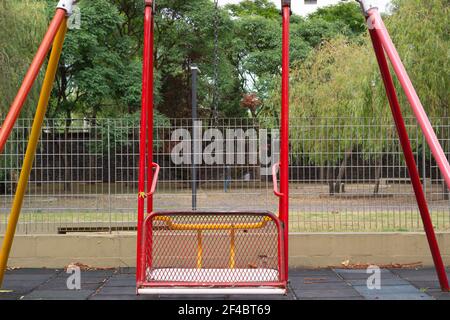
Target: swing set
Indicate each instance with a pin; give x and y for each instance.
(194, 252)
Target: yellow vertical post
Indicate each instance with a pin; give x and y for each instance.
(232, 248)
(199, 249)
(32, 146)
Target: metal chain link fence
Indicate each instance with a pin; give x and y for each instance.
(347, 175)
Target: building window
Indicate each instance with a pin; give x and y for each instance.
(310, 1)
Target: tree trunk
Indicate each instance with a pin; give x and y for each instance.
(378, 170)
(330, 178)
(67, 184)
(342, 170)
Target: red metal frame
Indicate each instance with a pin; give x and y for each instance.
(146, 157)
(284, 134)
(146, 128)
(275, 168)
(30, 77)
(150, 111)
(381, 43)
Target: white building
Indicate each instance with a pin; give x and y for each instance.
(305, 7)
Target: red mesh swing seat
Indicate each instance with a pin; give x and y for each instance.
(212, 252)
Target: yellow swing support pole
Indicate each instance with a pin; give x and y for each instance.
(32, 146)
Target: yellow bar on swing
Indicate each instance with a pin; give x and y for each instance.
(213, 226)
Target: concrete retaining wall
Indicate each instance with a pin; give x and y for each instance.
(310, 250)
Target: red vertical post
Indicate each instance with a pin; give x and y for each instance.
(146, 89)
(284, 134)
(409, 158)
(30, 77)
(149, 107)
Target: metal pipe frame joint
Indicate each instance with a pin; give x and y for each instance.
(194, 67)
(366, 6)
(66, 5)
(151, 3)
(285, 3)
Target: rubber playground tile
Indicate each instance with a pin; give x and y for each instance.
(362, 274)
(123, 276)
(127, 271)
(19, 284)
(90, 274)
(31, 271)
(402, 292)
(300, 282)
(438, 294)
(320, 285)
(332, 293)
(113, 282)
(59, 295)
(418, 274)
(310, 273)
(425, 284)
(130, 290)
(57, 286)
(29, 277)
(384, 282)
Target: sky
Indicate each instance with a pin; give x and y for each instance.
(300, 8)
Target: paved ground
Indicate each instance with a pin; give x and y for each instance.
(321, 284)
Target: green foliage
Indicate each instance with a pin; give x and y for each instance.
(185, 35)
(421, 33)
(94, 65)
(347, 14)
(22, 25)
(260, 8)
(340, 82)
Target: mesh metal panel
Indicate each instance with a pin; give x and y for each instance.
(212, 248)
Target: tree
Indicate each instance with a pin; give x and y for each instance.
(420, 30)
(340, 82)
(184, 34)
(93, 65)
(22, 25)
(347, 14)
(325, 96)
(260, 8)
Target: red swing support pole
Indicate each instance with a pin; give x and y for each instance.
(146, 134)
(33, 71)
(284, 134)
(382, 43)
